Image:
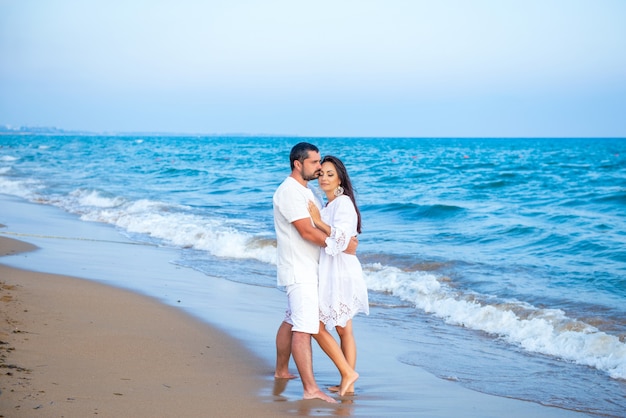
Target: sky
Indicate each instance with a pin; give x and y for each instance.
(368, 68)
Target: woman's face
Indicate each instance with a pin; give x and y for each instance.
(328, 179)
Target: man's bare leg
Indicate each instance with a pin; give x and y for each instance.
(283, 352)
(303, 356)
(329, 345)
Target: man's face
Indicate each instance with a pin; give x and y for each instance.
(311, 166)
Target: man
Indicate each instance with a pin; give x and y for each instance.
(298, 248)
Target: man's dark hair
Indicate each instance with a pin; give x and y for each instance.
(300, 152)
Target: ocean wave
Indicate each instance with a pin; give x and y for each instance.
(618, 197)
(521, 231)
(93, 198)
(493, 184)
(25, 188)
(182, 172)
(415, 211)
(540, 330)
(171, 224)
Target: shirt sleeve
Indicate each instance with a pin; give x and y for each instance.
(343, 227)
(294, 204)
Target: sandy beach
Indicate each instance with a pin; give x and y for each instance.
(72, 348)
(81, 336)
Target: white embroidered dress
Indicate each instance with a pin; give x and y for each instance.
(342, 289)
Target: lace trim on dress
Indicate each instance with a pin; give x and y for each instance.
(339, 315)
(337, 241)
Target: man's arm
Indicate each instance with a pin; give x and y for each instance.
(309, 232)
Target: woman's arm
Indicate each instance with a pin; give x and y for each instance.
(317, 219)
(327, 229)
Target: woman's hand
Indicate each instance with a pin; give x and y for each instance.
(317, 218)
(315, 213)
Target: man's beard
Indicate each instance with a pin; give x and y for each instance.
(313, 176)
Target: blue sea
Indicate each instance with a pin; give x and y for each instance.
(500, 263)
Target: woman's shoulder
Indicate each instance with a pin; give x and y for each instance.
(343, 201)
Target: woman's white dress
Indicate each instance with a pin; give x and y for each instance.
(342, 289)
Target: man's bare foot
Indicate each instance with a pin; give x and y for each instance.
(347, 383)
(284, 375)
(334, 388)
(318, 394)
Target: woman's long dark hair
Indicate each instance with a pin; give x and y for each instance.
(345, 182)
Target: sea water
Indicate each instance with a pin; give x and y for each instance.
(500, 263)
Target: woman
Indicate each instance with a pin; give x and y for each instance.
(342, 290)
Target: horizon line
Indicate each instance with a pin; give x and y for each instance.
(46, 130)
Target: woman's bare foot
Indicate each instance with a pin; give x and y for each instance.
(284, 375)
(347, 383)
(335, 388)
(279, 386)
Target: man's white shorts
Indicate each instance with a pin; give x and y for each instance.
(303, 308)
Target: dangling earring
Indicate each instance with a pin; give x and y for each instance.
(338, 191)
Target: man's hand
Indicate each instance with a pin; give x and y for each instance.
(354, 242)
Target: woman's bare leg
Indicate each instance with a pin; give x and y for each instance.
(348, 346)
(329, 345)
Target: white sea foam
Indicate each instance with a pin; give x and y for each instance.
(23, 188)
(546, 331)
(168, 223)
(8, 158)
(95, 199)
(155, 219)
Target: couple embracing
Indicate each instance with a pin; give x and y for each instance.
(318, 268)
